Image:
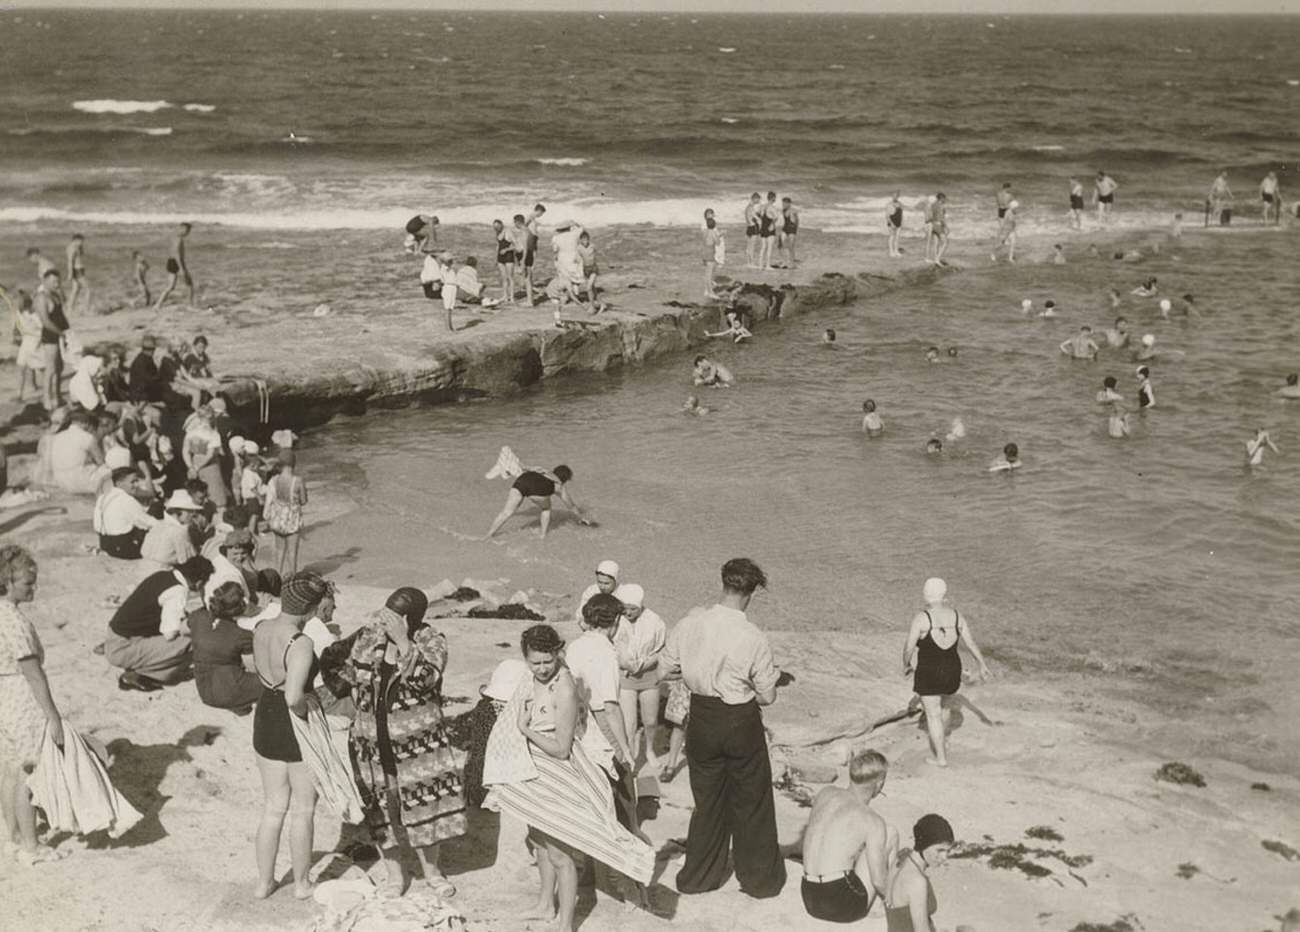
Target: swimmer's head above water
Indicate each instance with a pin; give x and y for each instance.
(829, 335)
(932, 354)
(1293, 379)
(952, 352)
(868, 406)
(1109, 382)
(933, 446)
(1011, 452)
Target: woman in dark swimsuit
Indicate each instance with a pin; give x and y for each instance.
(506, 260)
(538, 485)
(894, 223)
(931, 652)
(909, 901)
(286, 663)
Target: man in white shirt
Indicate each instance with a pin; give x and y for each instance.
(147, 637)
(119, 519)
(639, 640)
(593, 661)
(168, 542)
(726, 662)
(606, 582)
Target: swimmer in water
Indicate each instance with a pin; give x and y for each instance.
(872, 425)
(1255, 448)
(1115, 299)
(1006, 232)
(1148, 289)
(1058, 254)
(957, 431)
(933, 447)
(828, 338)
(932, 354)
(1008, 461)
(693, 406)
(1081, 345)
(1189, 306)
(1049, 309)
(952, 352)
(735, 329)
(1291, 390)
(1146, 394)
(1176, 228)
(894, 224)
(1026, 307)
(1117, 336)
(1148, 349)
(1117, 423)
(1109, 394)
(1165, 307)
(712, 374)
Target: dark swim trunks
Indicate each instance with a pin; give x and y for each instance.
(1002, 212)
(173, 267)
(534, 485)
(1268, 198)
(896, 219)
(415, 225)
(1107, 199)
(432, 289)
(841, 900)
(530, 254)
(752, 229)
(1076, 202)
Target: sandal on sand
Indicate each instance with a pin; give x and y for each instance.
(441, 886)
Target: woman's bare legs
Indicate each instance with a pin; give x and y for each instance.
(546, 521)
(935, 721)
(291, 544)
(433, 874)
(566, 883)
(302, 817)
(649, 700)
(513, 501)
(627, 702)
(545, 906)
(275, 804)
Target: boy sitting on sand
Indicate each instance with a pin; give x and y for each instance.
(847, 848)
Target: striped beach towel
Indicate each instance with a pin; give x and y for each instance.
(331, 773)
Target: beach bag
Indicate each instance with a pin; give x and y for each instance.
(72, 787)
(508, 759)
(282, 517)
(331, 773)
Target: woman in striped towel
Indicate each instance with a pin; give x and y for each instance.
(539, 774)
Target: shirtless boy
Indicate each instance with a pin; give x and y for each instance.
(140, 275)
(76, 253)
(1081, 345)
(177, 268)
(752, 228)
(847, 848)
(768, 218)
(1007, 231)
(1103, 195)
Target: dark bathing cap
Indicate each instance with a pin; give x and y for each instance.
(930, 830)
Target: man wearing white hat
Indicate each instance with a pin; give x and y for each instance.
(639, 640)
(168, 542)
(606, 581)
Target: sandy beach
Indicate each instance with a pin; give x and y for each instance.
(1039, 761)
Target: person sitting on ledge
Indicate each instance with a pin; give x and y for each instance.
(145, 637)
(120, 520)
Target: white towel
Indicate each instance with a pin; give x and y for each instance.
(507, 466)
(330, 772)
(73, 788)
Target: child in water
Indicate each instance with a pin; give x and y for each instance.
(1255, 448)
(1108, 393)
(1058, 255)
(828, 338)
(693, 406)
(1148, 289)
(932, 354)
(1049, 308)
(1117, 426)
(872, 425)
(1008, 461)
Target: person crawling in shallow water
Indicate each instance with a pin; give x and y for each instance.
(735, 329)
(1148, 289)
(713, 374)
(1291, 390)
(872, 425)
(693, 406)
(1256, 446)
(1008, 461)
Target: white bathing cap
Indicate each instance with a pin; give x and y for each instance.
(934, 590)
(1165, 304)
(1148, 339)
(608, 568)
(1026, 304)
(1014, 205)
(630, 594)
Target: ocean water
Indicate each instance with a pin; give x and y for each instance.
(1159, 563)
(351, 120)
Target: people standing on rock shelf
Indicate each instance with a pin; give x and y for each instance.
(286, 497)
(1271, 198)
(931, 656)
(789, 231)
(505, 250)
(938, 228)
(48, 305)
(894, 224)
(848, 849)
(753, 230)
(532, 237)
(726, 663)
(769, 219)
(910, 902)
(178, 268)
(539, 486)
(1103, 195)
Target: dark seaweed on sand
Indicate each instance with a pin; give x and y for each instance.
(1044, 833)
(1174, 772)
(465, 594)
(1119, 925)
(510, 612)
(1281, 848)
(1187, 870)
(1020, 857)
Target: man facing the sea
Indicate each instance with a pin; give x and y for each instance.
(177, 268)
(726, 662)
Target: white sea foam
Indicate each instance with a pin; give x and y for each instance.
(1049, 148)
(562, 161)
(730, 120)
(108, 105)
(200, 108)
(835, 67)
(726, 49)
(1293, 82)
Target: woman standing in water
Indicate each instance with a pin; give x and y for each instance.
(931, 654)
(910, 902)
(408, 774)
(540, 775)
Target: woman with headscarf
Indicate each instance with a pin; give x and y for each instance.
(407, 772)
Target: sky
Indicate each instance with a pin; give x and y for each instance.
(1075, 7)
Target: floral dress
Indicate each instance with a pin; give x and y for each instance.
(407, 771)
(22, 721)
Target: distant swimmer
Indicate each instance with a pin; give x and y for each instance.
(939, 227)
(957, 431)
(1189, 306)
(1058, 254)
(894, 224)
(713, 374)
(1117, 424)
(1076, 204)
(1147, 351)
(1256, 446)
(1004, 199)
(1146, 394)
(76, 256)
(1271, 196)
(1109, 394)
(1007, 231)
(1049, 308)
(1103, 195)
(1219, 202)
(932, 354)
(768, 218)
(693, 406)
(1081, 345)
(828, 338)
(872, 425)
(1027, 306)
(1176, 228)
(735, 329)
(140, 275)
(789, 231)
(753, 229)
(1008, 461)
(538, 486)
(1291, 390)
(177, 268)
(952, 352)
(1148, 289)
(933, 447)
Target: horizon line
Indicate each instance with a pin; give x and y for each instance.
(520, 6)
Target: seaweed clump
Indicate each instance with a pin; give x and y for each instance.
(1119, 925)
(1282, 849)
(1044, 833)
(511, 612)
(1174, 772)
(1022, 858)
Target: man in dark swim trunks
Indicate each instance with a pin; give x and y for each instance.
(1004, 199)
(1103, 195)
(768, 218)
(789, 230)
(538, 485)
(177, 268)
(894, 224)
(752, 227)
(848, 848)
(534, 228)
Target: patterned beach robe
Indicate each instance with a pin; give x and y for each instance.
(408, 773)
